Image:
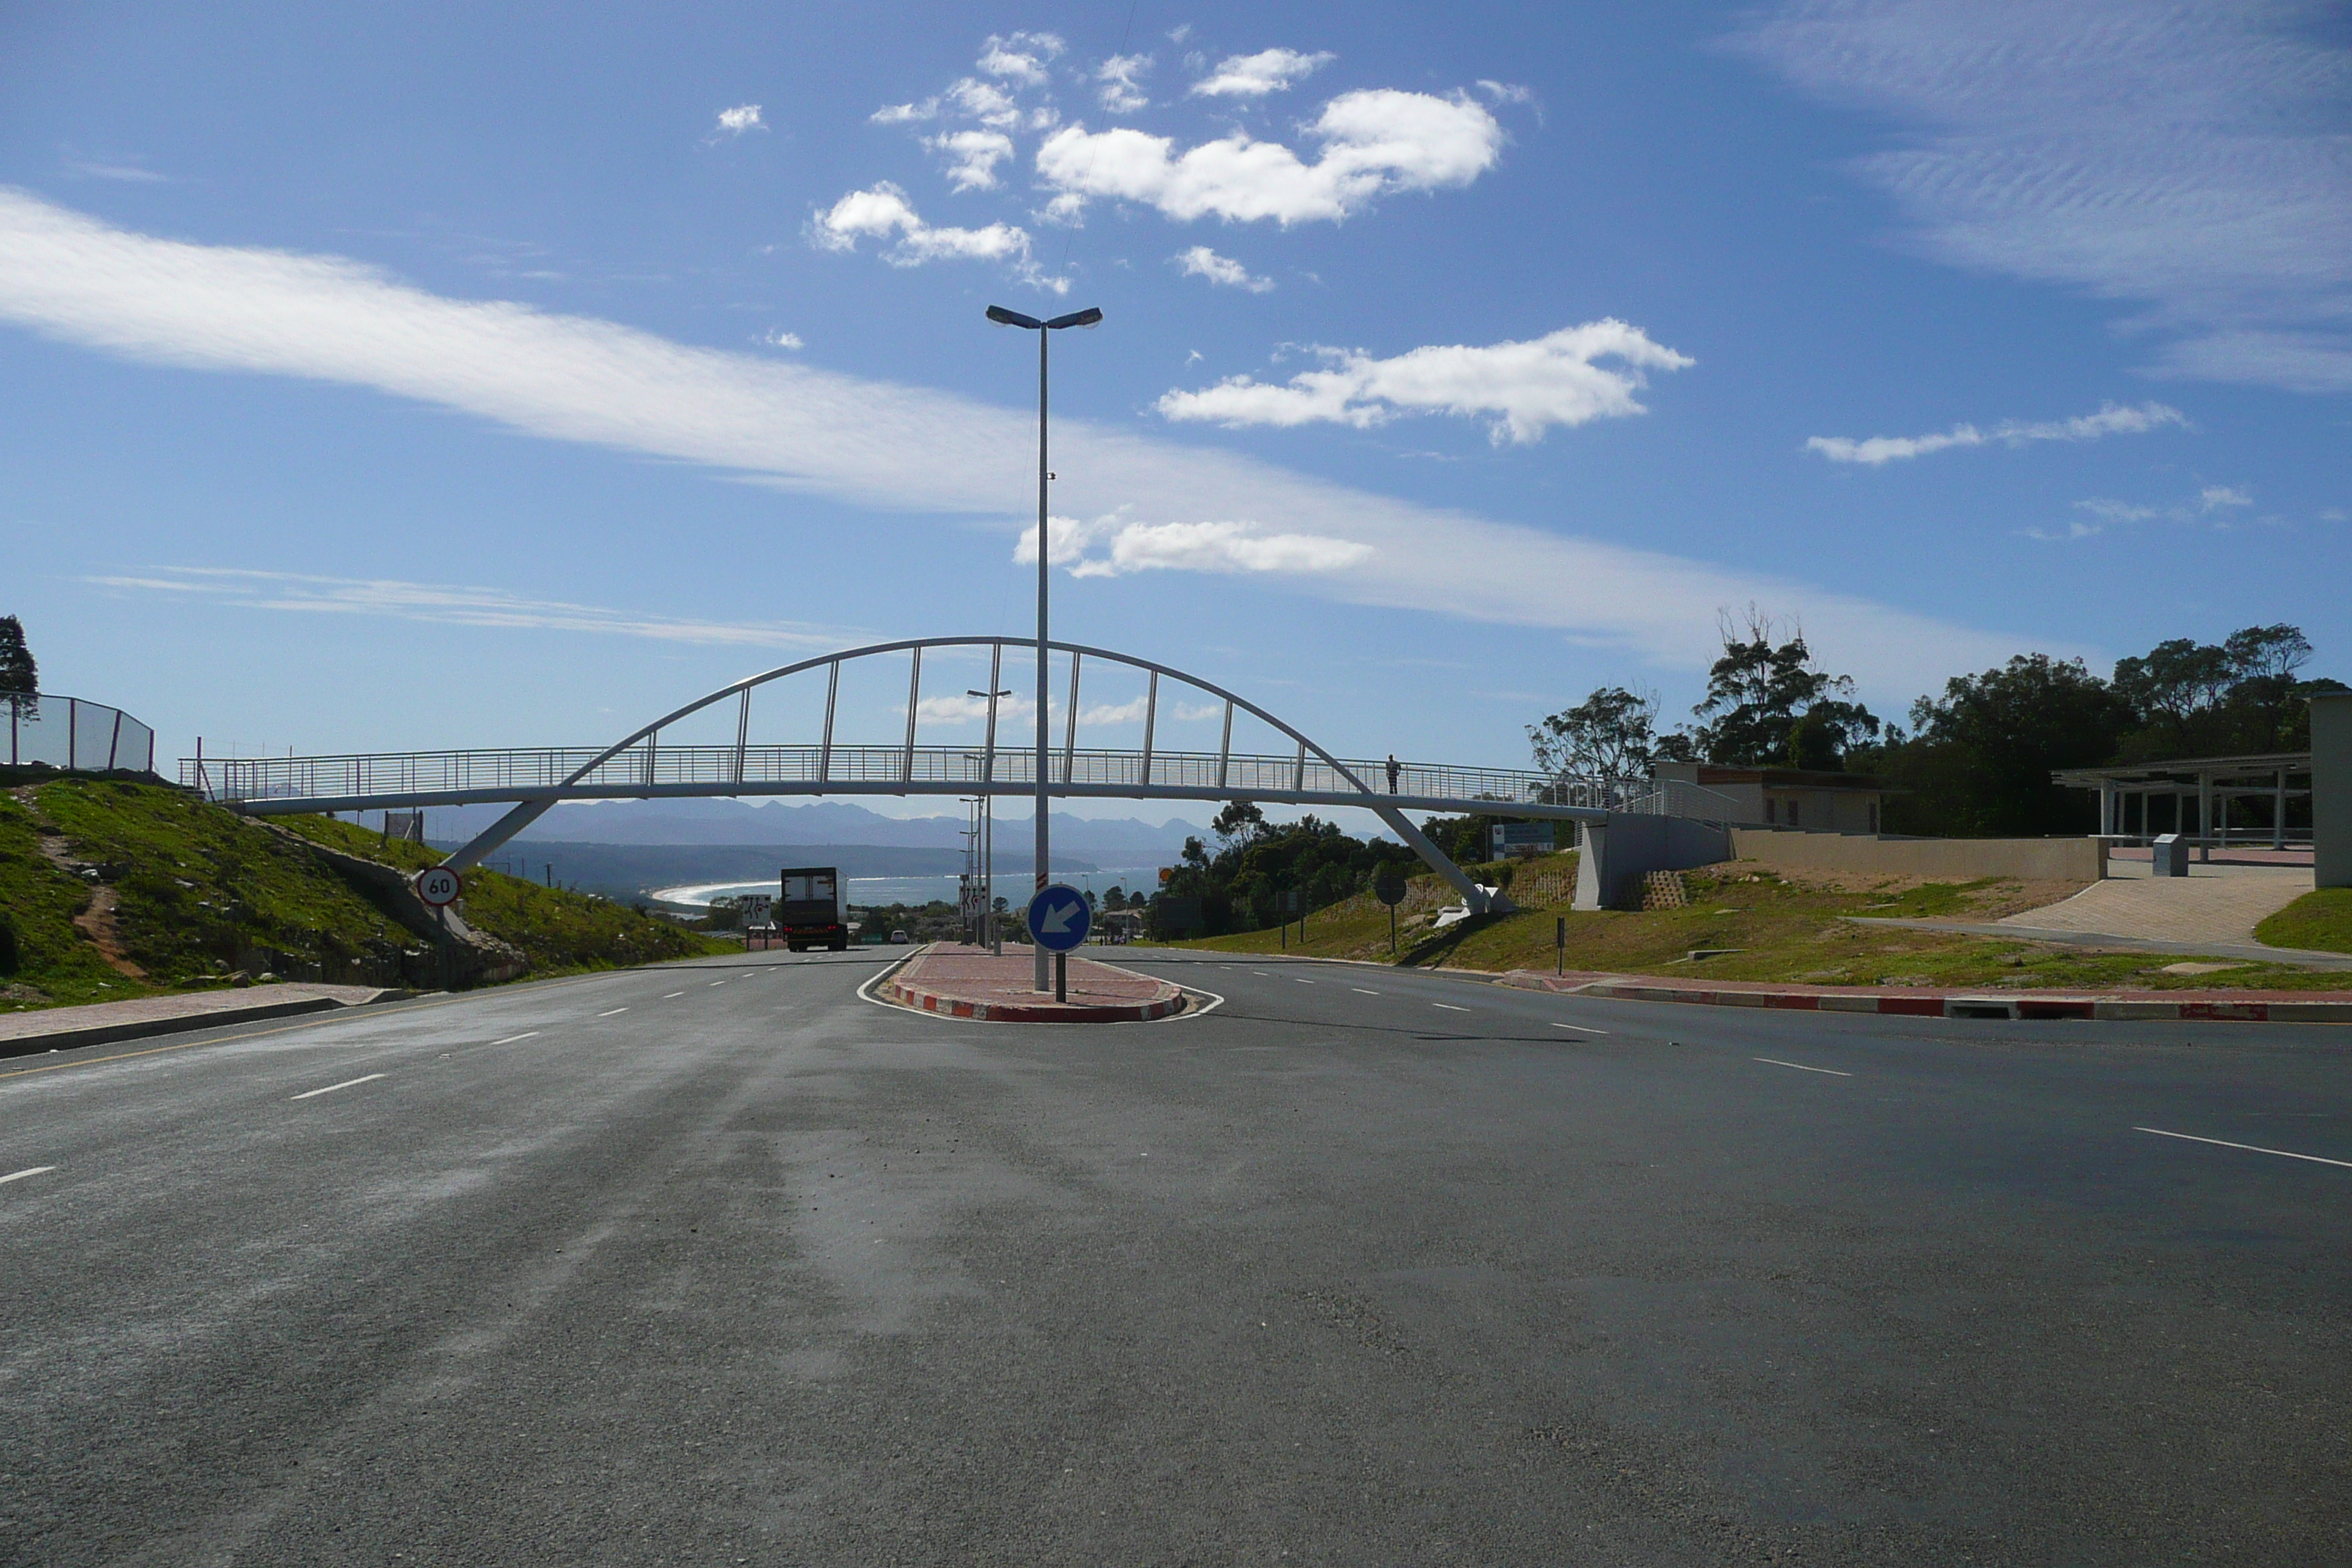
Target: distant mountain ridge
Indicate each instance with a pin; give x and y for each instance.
(722, 821)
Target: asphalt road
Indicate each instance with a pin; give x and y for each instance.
(725, 1264)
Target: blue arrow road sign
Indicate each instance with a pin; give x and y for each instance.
(1058, 917)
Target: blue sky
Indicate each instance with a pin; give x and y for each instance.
(417, 376)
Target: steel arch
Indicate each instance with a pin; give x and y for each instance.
(1387, 807)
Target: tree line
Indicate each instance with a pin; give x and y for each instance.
(1976, 761)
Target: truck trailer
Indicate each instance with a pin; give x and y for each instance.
(815, 909)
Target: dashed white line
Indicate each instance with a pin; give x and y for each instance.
(1579, 1029)
(1303, 982)
(2249, 1148)
(1362, 991)
(510, 1039)
(719, 982)
(1449, 1006)
(1775, 1061)
(666, 995)
(347, 1083)
(609, 1014)
(1261, 972)
(20, 1175)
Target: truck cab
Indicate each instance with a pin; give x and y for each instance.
(815, 909)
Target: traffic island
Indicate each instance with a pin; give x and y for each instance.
(957, 981)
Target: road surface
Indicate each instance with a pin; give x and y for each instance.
(721, 1263)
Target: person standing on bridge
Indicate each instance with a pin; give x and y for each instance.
(1393, 772)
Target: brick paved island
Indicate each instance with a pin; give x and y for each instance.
(965, 982)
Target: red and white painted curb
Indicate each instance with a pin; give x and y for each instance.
(2140, 1007)
(914, 996)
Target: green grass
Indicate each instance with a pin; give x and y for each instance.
(1784, 930)
(560, 933)
(2320, 921)
(198, 889)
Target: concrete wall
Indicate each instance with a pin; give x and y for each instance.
(1617, 856)
(1955, 859)
(2331, 789)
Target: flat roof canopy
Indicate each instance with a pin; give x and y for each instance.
(2184, 770)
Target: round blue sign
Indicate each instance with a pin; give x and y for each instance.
(1058, 917)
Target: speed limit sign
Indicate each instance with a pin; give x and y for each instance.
(439, 886)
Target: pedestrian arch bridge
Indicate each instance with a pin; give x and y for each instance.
(642, 766)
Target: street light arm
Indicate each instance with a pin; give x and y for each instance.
(1086, 318)
(1004, 318)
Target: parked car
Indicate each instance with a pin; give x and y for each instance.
(898, 936)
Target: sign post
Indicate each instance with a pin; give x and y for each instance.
(1388, 886)
(1059, 917)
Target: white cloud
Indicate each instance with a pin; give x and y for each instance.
(2214, 498)
(986, 103)
(2116, 510)
(2334, 514)
(1505, 91)
(783, 340)
(1121, 77)
(123, 169)
(891, 447)
(1020, 58)
(1133, 546)
(906, 113)
(884, 212)
(972, 156)
(443, 604)
(1372, 143)
(1531, 386)
(1254, 76)
(741, 118)
(2186, 158)
(2073, 530)
(1201, 262)
(2110, 420)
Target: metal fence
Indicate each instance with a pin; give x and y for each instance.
(48, 731)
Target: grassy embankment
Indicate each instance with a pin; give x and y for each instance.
(110, 890)
(2320, 920)
(1785, 928)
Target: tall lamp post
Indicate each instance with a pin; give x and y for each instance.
(1042, 979)
(988, 938)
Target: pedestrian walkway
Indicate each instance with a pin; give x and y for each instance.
(2212, 904)
(966, 981)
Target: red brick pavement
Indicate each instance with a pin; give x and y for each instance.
(965, 982)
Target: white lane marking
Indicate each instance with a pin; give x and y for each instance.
(1303, 982)
(2249, 1148)
(1801, 1066)
(1449, 1006)
(668, 995)
(719, 982)
(610, 1013)
(1579, 1029)
(510, 1039)
(1362, 991)
(1261, 972)
(331, 1088)
(20, 1175)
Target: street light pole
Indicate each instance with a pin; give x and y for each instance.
(1041, 979)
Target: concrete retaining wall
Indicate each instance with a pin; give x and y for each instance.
(1617, 856)
(2331, 790)
(1957, 859)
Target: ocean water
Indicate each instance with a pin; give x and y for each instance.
(870, 891)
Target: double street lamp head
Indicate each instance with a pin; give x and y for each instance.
(1004, 318)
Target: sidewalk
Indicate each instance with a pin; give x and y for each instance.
(964, 981)
(1932, 1002)
(101, 1023)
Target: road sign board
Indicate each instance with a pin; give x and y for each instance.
(1388, 886)
(439, 886)
(1058, 917)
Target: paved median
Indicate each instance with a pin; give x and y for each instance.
(2235, 1006)
(962, 982)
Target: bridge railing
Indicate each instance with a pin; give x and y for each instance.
(523, 772)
